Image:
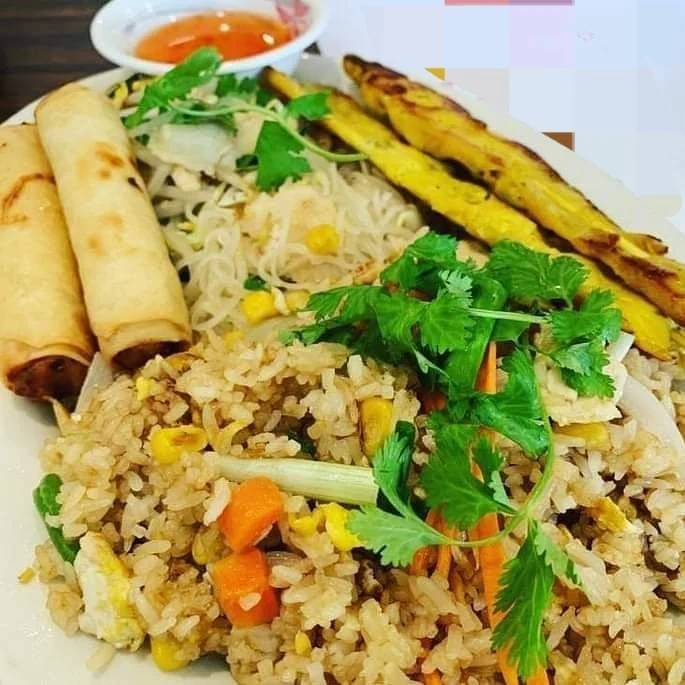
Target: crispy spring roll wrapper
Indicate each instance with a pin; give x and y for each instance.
(45, 340)
(133, 295)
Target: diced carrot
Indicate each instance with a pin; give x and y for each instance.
(255, 505)
(432, 400)
(238, 576)
(432, 678)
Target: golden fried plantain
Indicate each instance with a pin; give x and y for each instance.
(518, 176)
(475, 209)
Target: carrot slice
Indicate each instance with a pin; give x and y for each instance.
(255, 505)
(538, 678)
(236, 578)
(491, 557)
(425, 557)
(444, 561)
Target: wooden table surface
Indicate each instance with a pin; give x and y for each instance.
(43, 44)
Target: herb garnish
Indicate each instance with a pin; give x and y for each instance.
(438, 314)
(255, 282)
(278, 152)
(45, 500)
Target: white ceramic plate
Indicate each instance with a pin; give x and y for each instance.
(34, 651)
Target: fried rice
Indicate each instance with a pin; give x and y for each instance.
(617, 512)
(616, 504)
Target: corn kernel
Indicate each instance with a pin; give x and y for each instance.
(165, 650)
(323, 239)
(26, 576)
(232, 337)
(258, 306)
(376, 423)
(296, 300)
(120, 95)
(308, 524)
(168, 444)
(207, 546)
(141, 83)
(146, 387)
(596, 435)
(181, 361)
(336, 527)
(609, 516)
(303, 645)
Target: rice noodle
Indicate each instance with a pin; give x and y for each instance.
(224, 232)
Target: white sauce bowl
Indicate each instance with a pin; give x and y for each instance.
(119, 26)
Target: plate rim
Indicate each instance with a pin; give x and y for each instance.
(600, 187)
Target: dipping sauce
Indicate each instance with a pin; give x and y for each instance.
(234, 34)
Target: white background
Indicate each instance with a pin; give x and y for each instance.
(611, 71)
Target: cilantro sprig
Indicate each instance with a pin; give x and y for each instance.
(437, 314)
(440, 331)
(278, 154)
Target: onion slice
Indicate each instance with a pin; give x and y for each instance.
(99, 375)
(619, 349)
(640, 403)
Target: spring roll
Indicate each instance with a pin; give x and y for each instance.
(133, 295)
(45, 341)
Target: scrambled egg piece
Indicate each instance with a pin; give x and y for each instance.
(104, 581)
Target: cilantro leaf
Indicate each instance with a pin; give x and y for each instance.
(435, 248)
(461, 366)
(279, 156)
(525, 593)
(490, 461)
(311, 107)
(517, 411)
(194, 71)
(555, 558)
(427, 255)
(391, 467)
(595, 318)
(444, 324)
(593, 384)
(195, 112)
(580, 357)
(582, 367)
(459, 285)
(395, 538)
(532, 276)
(449, 484)
(509, 331)
(397, 314)
(247, 88)
(579, 339)
(255, 282)
(325, 304)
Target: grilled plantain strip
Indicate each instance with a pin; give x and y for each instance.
(475, 209)
(440, 127)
